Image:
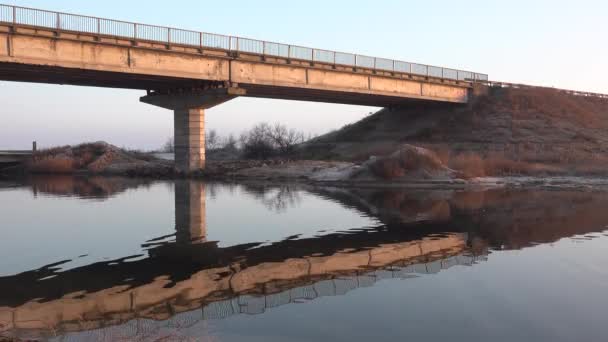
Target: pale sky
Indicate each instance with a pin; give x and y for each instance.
(554, 43)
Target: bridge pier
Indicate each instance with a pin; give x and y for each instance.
(189, 122)
(189, 139)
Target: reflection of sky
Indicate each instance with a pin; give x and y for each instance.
(48, 229)
(241, 218)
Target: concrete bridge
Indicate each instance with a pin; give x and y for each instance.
(188, 72)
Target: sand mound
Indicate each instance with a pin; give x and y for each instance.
(408, 162)
(98, 158)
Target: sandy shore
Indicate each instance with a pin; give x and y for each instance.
(340, 173)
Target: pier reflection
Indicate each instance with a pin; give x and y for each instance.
(178, 282)
(190, 224)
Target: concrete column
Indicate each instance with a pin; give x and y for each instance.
(190, 212)
(189, 121)
(189, 135)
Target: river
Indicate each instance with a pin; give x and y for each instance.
(115, 259)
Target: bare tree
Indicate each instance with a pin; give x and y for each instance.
(256, 142)
(285, 140)
(169, 146)
(264, 141)
(212, 140)
(230, 143)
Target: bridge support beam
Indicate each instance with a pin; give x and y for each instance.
(189, 122)
(189, 139)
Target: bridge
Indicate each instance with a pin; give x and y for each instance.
(189, 72)
(10, 158)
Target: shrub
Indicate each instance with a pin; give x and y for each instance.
(257, 143)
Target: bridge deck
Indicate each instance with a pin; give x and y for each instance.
(51, 47)
(14, 157)
(65, 22)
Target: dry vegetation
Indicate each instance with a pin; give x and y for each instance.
(98, 157)
(409, 161)
(508, 132)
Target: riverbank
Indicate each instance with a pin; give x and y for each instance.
(331, 174)
(407, 167)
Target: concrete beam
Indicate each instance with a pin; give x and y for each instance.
(41, 55)
(205, 99)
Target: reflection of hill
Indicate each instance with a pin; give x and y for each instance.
(503, 218)
(84, 187)
(517, 219)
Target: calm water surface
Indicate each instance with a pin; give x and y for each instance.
(109, 259)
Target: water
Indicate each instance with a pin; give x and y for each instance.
(107, 259)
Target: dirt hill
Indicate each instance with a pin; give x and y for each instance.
(508, 131)
(97, 158)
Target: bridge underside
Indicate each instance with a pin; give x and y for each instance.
(189, 80)
(17, 72)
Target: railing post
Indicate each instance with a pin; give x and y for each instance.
(168, 35)
(98, 27)
(58, 22)
(134, 31)
(14, 15)
(200, 40)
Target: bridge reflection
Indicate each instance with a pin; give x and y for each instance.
(189, 279)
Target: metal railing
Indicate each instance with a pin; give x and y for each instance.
(496, 84)
(16, 15)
